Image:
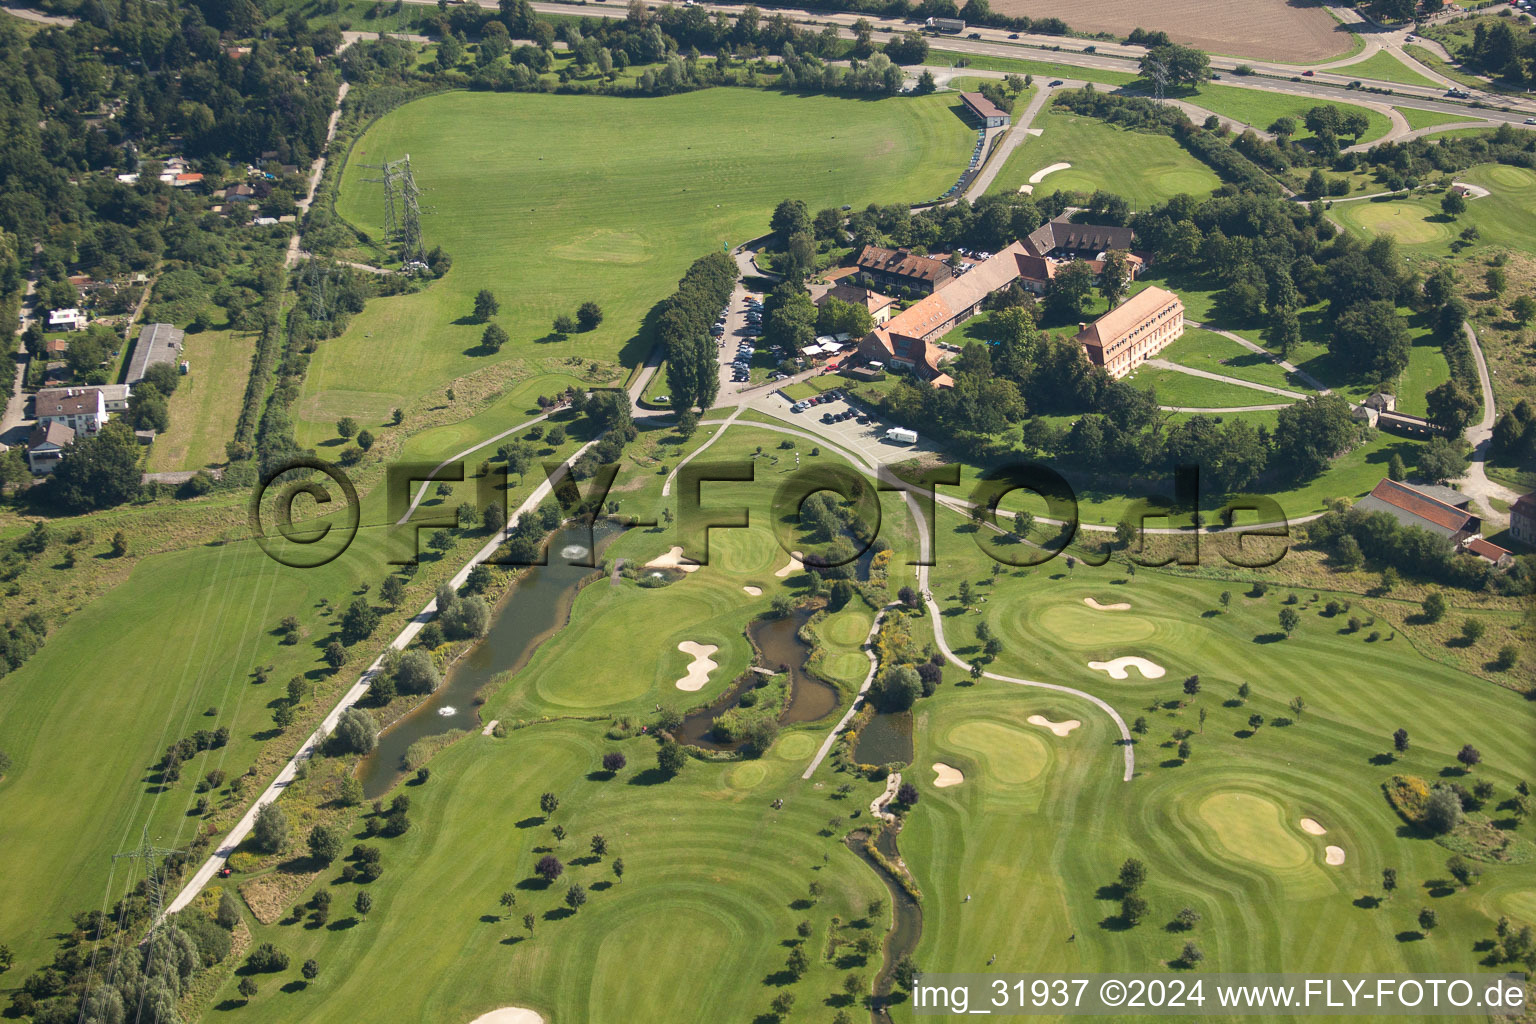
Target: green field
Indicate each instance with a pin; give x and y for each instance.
(1382, 66)
(1145, 169)
(1505, 217)
(1418, 119)
(206, 404)
(1206, 350)
(1188, 391)
(1045, 69)
(216, 608)
(717, 880)
(535, 202)
(1261, 109)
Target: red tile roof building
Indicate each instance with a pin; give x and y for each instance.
(900, 268)
(1134, 331)
(1412, 507)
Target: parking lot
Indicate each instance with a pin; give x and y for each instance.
(867, 440)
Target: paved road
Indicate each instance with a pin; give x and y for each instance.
(1106, 57)
(1017, 134)
(28, 14)
(1480, 436)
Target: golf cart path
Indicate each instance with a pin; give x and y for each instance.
(1016, 135)
(311, 746)
(1258, 349)
(1480, 436)
(1163, 364)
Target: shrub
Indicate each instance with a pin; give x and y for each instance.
(267, 959)
(356, 732)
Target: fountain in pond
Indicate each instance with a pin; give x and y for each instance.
(572, 552)
(447, 712)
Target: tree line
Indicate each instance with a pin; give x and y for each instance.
(682, 329)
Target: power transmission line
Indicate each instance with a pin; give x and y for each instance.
(152, 859)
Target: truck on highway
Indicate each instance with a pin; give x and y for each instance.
(901, 435)
(951, 25)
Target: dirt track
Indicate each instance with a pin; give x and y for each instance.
(1282, 30)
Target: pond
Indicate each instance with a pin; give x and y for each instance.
(534, 608)
(886, 739)
(779, 647)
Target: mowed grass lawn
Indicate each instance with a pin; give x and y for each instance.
(1144, 168)
(1190, 392)
(553, 200)
(207, 402)
(1041, 823)
(1429, 118)
(716, 882)
(1507, 216)
(1261, 109)
(1206, 350)
(1382, 66)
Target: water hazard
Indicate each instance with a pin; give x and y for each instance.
(535, 606)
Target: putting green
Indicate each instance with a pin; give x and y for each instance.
(797, 746)
(848, 627)
(743, 551)
(746, 775)
(1192, 183)
(1008, 755)
(1252, 827)
(1510, 177)
(1407, 222)
(1076, 624)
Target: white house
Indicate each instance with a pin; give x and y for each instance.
(68, 320)
(45, 446)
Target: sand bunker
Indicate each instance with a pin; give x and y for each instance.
(673, 560)
(1059, 728)
(1039, 176)
(1312, 828)
(703, 665)
(754, 591)
(509, 1015)
(947, 776)
(793, 566)
(1116, 668)
(1118, 606)
(1333, 855)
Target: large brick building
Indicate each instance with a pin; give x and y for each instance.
(1134, 331)
(906, 340)
(900, 268)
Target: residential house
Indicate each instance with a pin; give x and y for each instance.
(1522, 519)
(46, 444)
(68, 320)
(1134, 331)
(83, 410)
